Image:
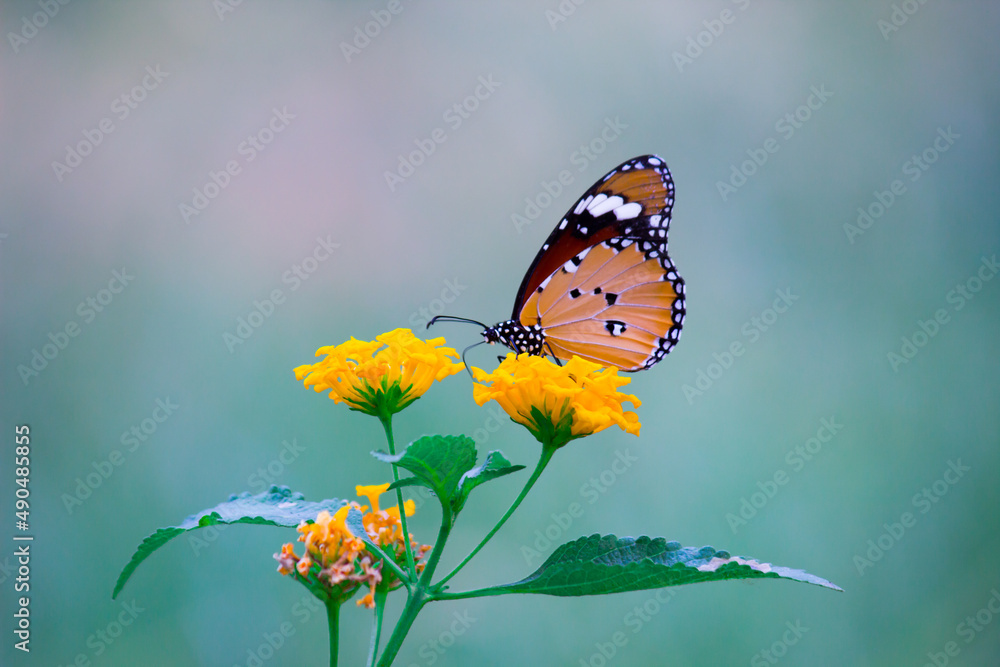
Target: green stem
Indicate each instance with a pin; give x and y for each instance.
(465, 595)
(543, 461)
(391, 564)
(376, 626)
(418, 596)
(432, 560)
(414, 603)
(410, 563)
(333, 622)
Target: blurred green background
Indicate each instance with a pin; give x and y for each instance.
(709, 86)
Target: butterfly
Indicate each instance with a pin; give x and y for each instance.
(603, 287)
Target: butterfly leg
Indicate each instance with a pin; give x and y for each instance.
(558, 361)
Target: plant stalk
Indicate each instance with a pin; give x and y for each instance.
(333, 623)
(418, 597)
(376, 626)
(543, 461)
(410, 563)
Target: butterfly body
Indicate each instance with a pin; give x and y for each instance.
(516, 336)
(603, 287)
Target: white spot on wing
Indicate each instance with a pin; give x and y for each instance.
(596, 201)
(628, 211)
(603, 203)
(582, 204)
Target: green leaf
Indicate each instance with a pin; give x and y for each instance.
(405, 482)
(356, 524)
(278, 506)
(437, 461)
(495, 465)
(599, 565)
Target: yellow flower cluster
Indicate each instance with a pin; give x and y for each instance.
(380, 377)
(342, 560)
(557, 403)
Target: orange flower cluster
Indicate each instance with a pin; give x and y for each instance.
(339, 561)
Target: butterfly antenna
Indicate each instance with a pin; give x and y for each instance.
(450, 318)
(467, 370)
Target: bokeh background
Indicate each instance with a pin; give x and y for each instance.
(705, 85)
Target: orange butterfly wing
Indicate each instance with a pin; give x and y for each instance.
(603, 286)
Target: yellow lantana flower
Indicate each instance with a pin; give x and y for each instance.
(380, 377)
(385, 527)
(339, 561)
(558, 403)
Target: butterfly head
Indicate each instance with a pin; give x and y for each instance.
(512, 334)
